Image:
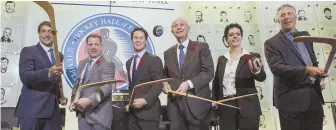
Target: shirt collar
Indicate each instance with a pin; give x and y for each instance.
(141, 53)
(185, 43)
(95, 59)
(45, 48)
(244, 52)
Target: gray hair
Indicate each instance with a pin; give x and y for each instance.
(284, 6)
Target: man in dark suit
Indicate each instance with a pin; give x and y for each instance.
(190, 64)
(94, 114)
(297, 89)
(37, 108)
(144, 67)
(235, 74)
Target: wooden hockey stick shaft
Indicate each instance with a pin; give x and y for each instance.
(146, 84)
(96, 84)
(234, 98)
(197, 97)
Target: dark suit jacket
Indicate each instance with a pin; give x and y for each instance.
(245, 84)
(100, 112)
(292, 88)
(150, 68)
(198, 68)
(39, 94)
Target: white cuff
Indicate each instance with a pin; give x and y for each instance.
(190, 84)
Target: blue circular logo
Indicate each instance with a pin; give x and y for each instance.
(115, 30)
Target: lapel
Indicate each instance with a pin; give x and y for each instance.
(190, 53)
(241, 63)
(93, 68)
(175, 61)
(143, 59)
(128, 66)
(285, 40)
(44, 55)
(221, 69)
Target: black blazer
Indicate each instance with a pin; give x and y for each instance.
(244, 84)
(292, 89)
(150, 68)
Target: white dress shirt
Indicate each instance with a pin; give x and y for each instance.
(229, 77)
(94, 60)
(140, 55)
(46, 49)
(185, 44)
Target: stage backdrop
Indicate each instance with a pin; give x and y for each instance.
(115, 20)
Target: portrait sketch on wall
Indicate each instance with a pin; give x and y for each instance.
(246, 16)
(9, 7)
(6, 35)
(4, 64)
(302, 15)
(9, 95)
(9, 68)
(266, 121)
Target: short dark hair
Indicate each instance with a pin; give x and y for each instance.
(94, 36)
(200, 12)
(47, 23)
(301, 10)
(223, 12)
(326, 9)
(139, 29)
(10, 2)
(230, 26)
(251, 35)
(201, 36)
(4, 58)
(7, 29)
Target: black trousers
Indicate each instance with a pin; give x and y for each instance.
(231, 119)
(296, 120)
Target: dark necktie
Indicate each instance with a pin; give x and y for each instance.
(87, 69)
(52, 56)
(181, 56)
(134, 65)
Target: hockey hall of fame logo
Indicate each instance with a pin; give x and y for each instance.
(115, 30)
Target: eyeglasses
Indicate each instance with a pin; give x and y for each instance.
(232, 34)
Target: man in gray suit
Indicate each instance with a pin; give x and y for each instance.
(297, 88)
(190, 64)
(92, 114)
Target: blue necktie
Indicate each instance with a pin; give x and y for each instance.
(290, 36)
(134, 65)
(181, 56)
(87, 69)
(52, 56)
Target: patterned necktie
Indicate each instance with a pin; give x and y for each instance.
(134, 65)
(291, 37)
(52, 56)
(87, 69)
(181, 56)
